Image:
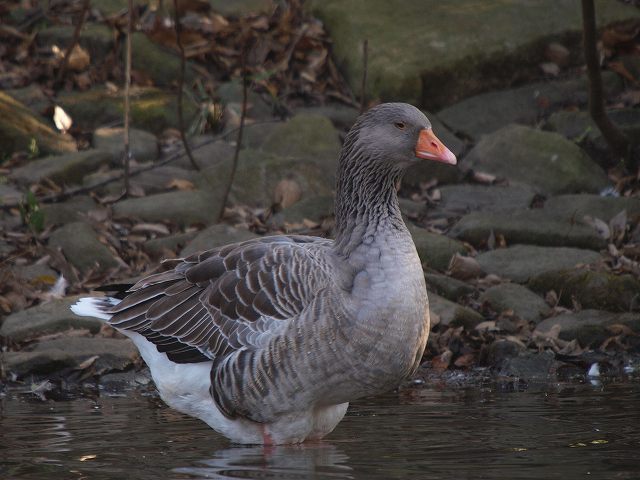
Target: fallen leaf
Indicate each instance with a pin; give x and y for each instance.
(286, 193)
(79, 59)
(464, 268)
(181, 184)
(61, 119)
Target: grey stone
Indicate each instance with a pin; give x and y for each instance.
(216, 236)
(458, 200)
(160, 64)
(44, 319)
(98, 40)
(314, 208)
(591, 289)
(488, 112)
(152, 109)
(522, 262)
(528, 365)
(80, 245)
(38, 274)
(181, 207)
(306, 137)
(157, 247)
(143, 145)
(501, 350)
(522, 301)
(575, 207)
(72, 210)
(435, 250)
(9, 194)
(113, 7)
(580, 127)
(545, 160)
(120, 382)
(450, 288)
(230, 93)
(31, 96)
(437, 52)
(342, 116)
(452, 314)
(589, 327)
(537, 227)
(69, 352)
(69, 168)
(21, 129)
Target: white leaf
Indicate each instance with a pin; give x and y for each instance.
(61, 119)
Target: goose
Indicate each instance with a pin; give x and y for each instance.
(268, 340)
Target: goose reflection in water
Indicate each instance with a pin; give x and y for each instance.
(312, 461)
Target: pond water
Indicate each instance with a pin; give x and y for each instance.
(559, 430)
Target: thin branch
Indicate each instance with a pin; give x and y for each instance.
(57, 197)
(74, 42)
(126, 157)
(183, 135)
(236, 154)
(363, 87)
(617, 141)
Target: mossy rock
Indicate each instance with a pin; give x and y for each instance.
(589, 327)
(314, 208)
(575, 207)
(452, 314)
(450, 288)
(458, 200)
(435, 53)
(242, 7)
(435, 251)
(66, 169)
(591, 289)
(151, 109)
(522, 301)
(161, 64)
(79, 243)
(535, 227)
(72, 210)
(98, 40)
(23, 130)
(216, 236)
(545, 160)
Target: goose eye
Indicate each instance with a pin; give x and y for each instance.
(400, 125)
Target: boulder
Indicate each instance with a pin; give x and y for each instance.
(80, 245)
(528, 365)
(435, 53)
(66, 169)
(591, 289)
(312, 208)
(96, 39)
(44, 319)
(435, 250)
(180, 207)
(589, 327)
(450, 288)
(23, 130)
(143, 145)
(522, 262)
(306, 138)
(69, 352)
(71, 210)
(151, 109)
(452, 314)
(216, 236)
(457, 200)
(342, 116)
(9, 194)
(575, 207)
(159, 63)
(156, 247)
(537, 227)
(485, 113)
(522, 301)
(545, 160)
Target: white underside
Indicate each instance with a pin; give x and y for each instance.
(185, 387)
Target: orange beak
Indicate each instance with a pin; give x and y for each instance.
(430, 148)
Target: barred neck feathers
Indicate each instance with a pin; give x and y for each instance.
(366, 197)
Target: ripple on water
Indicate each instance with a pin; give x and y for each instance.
(558, 431)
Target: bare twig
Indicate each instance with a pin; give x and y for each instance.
(126, 157)
(363, 88)
(617, 141)
(243, 114)
(183, 135)
(74, 42)
(58, 197)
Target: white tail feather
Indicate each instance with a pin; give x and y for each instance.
(94, 307)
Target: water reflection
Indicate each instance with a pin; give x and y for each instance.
(314, 461)
(561, 430)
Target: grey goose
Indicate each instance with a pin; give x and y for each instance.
(267, 340)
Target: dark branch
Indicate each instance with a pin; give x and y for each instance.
(74, 41)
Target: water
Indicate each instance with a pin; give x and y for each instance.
(562, 431)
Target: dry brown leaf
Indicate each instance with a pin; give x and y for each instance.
(79, 59)
(464, 268)
(286, 193)
(181, 184)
